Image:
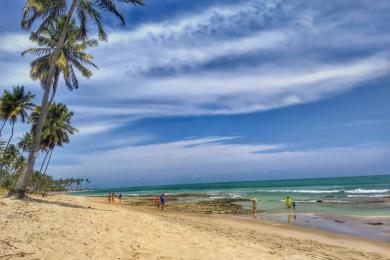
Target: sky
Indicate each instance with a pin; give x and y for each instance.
(210, 91)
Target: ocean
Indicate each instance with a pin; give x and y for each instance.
(357, 196)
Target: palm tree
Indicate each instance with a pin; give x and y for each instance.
(14, 106)
(12, 162)
(87, 181)
(5, 101)
(46, 11)
(10, 156)
(78, 182)
(56, 129)
(25, 142)
(19, 163)
(3, 116)
(72, 57)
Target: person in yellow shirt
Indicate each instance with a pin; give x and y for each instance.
(288, 202)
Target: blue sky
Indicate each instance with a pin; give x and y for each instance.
(203, 91)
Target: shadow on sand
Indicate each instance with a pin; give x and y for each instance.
(61, 203)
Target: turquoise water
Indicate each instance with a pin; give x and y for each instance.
(362, 195)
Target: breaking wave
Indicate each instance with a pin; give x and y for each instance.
(355, 191)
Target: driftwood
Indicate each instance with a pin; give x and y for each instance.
(8, 244)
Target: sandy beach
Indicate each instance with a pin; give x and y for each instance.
(71, 227)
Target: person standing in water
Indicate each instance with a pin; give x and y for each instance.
(288, 202)
(157, 201)
(254, 204)
(162, 201)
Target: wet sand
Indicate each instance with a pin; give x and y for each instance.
(373, 227)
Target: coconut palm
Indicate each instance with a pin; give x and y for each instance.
(15, 106)
(72, 57)
(9, 156)
(56, 129)
(5, 101)
(25, 142)
(45, 11)
(3, 116)
(19, 163)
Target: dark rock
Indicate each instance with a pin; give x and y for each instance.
(374, 223)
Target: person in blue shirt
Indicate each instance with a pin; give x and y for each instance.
(162, 201)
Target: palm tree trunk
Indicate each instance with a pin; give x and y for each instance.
(44, 160)
(10, 137)
(48, 161)
(9, 141)
(55, 84)
(22, 182)
(1, 129)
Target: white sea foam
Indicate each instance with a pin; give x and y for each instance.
(302, 191)
(367, 191)
(217, 197)
(235, 195)
(355, 191)
(369, 196)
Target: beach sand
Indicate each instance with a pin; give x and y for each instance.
(70, 227)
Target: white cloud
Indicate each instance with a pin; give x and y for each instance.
(213, 157)
(14, 42)
(94, 129)
(194, 39)
(14, 73)
(234, 92)
(140, 57)
(215, 17)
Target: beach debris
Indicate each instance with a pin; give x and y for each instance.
(8, 243)
(21, 254)
(339, 221)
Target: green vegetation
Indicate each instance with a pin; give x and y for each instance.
(15, 106)
(60, 28)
